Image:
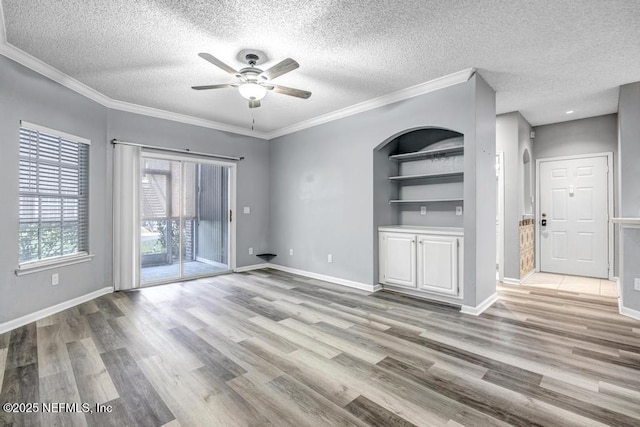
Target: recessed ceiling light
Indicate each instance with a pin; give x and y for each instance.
(570, 112)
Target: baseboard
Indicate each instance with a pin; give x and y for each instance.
(252, 267)
(41, 314)
(336, 280)
(619, 292)
(476, 311)
(629, 312)
(510, 281)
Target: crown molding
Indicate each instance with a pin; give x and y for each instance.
(183, 118)
(40, 67)
(410, 92)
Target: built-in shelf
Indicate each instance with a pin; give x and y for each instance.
(426, 153)
(425, 175)
(425, 201)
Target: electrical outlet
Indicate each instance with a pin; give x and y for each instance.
(55, 279)
(636, 284)
(458, 210)
(423, 210)
(250, 251)
(247, 210)
(329, 258)
(290, 251)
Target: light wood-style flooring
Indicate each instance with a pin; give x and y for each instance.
(272, 349)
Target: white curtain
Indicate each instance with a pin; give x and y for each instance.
(126, 217)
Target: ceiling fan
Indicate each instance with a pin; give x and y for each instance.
(254, 83)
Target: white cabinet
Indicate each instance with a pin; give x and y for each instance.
(438, 264)
(424, 259)
(398, 259)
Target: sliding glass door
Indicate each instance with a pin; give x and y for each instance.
(185, 219)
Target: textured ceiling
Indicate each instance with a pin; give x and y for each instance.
(542, 57)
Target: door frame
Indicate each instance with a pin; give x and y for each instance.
(500, 243)
(610, 229)
(233, 167)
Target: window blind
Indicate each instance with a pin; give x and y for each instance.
(54, 196)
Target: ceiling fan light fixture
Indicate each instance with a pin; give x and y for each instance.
(252, 91)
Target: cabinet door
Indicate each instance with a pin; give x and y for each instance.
(398, 259)
(438, 264)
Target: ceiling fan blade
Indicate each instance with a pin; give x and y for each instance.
(291, 91)
(254, 103)
(215, 61)
(211, 87)
(279, 69)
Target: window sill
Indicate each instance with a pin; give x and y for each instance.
(37, 266)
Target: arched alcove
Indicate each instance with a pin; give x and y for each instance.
(418, 178)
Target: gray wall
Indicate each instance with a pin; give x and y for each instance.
(483, 196)
(321, 184)
(585, 136)
(253, 171)
(629, 146)
(507, 143)
(512, 139)
(25, 95)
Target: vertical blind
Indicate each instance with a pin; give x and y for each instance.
(54, 196)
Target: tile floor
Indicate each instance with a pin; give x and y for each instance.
(583, 285)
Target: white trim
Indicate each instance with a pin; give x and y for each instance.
(423, 295)
(510, 281)
(336, 280)
(500, 242)
(54, 132)
(252, 267)
(41, 314)
(400, 95)
(33, 63)
(629, 312)
(610, 231)
(182, 118)
(480, 308)
(619, 292)
(3, 28)
(48, 264)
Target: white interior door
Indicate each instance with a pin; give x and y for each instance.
(574, 203)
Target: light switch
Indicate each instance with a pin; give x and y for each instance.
(246, 210)
(458, 210)
(423, 210)
(329, 258)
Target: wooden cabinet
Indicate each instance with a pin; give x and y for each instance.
(426, 260)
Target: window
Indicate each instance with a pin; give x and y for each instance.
(54, 199)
